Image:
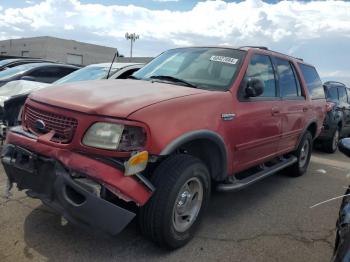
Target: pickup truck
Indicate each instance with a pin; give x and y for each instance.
(154, 146)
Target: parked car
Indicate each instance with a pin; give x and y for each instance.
(337, 122)
(9, 63)
(39, 72)
(342, 241)
(99, 152)
(14, 94)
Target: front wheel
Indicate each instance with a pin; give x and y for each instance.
(303, 154)
(173, 213)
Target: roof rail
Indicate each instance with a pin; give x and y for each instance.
(334, 82)
(265, 48)
(251, 46)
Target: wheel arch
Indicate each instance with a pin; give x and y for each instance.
(207, 145)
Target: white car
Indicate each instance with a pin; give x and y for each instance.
(16, 92)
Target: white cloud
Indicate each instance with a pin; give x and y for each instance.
(68, 27)
(289, 26)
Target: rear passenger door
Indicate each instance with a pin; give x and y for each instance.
(293, 106)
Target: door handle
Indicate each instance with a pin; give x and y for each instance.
(275, 111)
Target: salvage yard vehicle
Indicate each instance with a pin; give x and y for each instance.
(12, 62)
(337, 122)
(39, 72)
(192, 119)
(14, 94)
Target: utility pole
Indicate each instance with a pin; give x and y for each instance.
(132, 37)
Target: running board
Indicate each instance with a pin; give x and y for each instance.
(238, 184)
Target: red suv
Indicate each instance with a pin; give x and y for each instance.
(194, 118)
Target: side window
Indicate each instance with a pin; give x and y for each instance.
(343, 97)
(313, 81)
(332, 94)
(260, 67)
(286, 78)
(127, 73)
(348, 92)
(50, 74)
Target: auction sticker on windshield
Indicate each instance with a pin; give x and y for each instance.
(224, 59)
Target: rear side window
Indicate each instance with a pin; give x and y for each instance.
(343, 97)
(313, 81)
(288, 82)
(332, 94)
(260, 67)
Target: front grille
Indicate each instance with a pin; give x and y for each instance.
(64, 127)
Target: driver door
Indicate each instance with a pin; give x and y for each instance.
(258, 125)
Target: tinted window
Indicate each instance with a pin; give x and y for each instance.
(53, 72)
(332, 94)
(313, 81)
(297, 81)
(15, 70)
(260, 67)
(287, 81)
(343, 97)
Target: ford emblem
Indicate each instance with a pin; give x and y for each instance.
(40, 125)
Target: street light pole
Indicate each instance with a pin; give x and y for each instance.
(132, 37)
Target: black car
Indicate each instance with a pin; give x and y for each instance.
(9, 63)
(39, 72)
(342, 241)
(337, 121)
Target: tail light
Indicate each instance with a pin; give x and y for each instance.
(329, 106)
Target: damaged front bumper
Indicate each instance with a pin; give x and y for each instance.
(46, 173)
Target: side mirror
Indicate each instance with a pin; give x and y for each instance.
(28, 78)
(344, 146)
(255, 87)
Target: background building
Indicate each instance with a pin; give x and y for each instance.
(57, 49)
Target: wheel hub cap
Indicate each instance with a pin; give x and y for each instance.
(188, 204)
(304, 153)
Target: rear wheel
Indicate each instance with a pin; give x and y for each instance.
(331, 145)
(303, 154)
(173, 213)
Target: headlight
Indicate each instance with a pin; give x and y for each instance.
(115, 137)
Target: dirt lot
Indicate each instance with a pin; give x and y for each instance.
(270, 221)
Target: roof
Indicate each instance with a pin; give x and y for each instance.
(247, 48)
(49, 64)
(115, 65)
(334, 83)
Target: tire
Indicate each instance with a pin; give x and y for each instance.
(157, 218)
(300, 167)
(331, 145)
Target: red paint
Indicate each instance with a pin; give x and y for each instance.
(260, 131)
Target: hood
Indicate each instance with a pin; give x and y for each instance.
(18, 87)
(116, 98)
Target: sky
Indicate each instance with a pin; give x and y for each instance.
(317, 31)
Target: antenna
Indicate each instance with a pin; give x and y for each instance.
(110, 68)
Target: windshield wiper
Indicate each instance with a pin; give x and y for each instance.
(173, 79)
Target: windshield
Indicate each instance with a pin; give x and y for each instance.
(10, 72)
(207, 68)
(87, 73)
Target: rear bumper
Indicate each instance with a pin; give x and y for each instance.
(49, 181)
